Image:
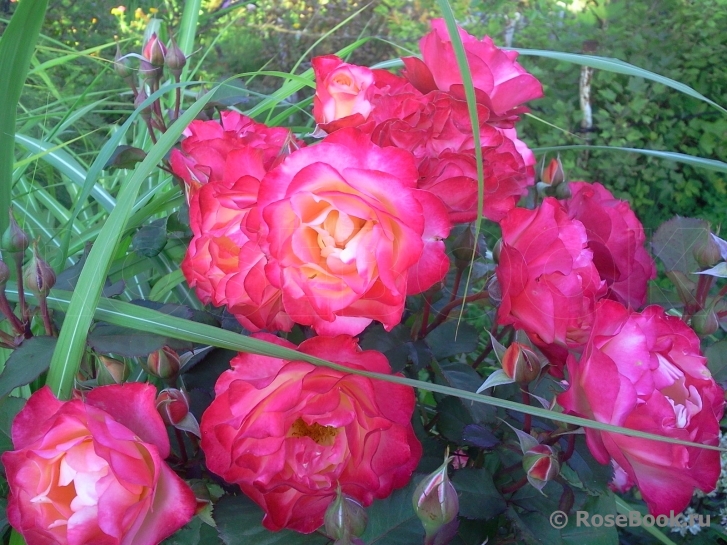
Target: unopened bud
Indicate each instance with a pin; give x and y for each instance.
(494, 291)
(38, 276)
(496, 251)
(345, 518)
(154, 51)
(521, 364)
(707, 253)
(541, 465)
(14, 239)
(121, 65)
(563, 191)
(175, 59)
(435, 500)
(111, 371)
(163, 363)
(464, 246)
(553, 174)
(705, 322)
(173, 406)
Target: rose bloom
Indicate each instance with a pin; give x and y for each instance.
(546, 274)
(644, 371)
(93, 472)
(347, 234)
(616, 238)
(289, 432)
(222, 164)
(501, 84)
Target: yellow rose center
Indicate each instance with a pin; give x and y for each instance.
(323, 435)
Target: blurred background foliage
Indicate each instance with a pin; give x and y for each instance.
(681, 39)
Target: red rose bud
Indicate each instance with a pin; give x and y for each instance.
(173, 406)
(345, 518)
(14, 240)
(164, 363)
(154, 51)
(705, 322)
(521, 364)
(541, 465)
(463, 246)
(435, 500)
(38, 276)
(553, 174)
(111, 371)
(175, 59)
(141, 96)
(707, 253)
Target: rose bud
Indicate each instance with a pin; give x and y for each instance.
(141, 96)
(494, 291)
(521, 364)
(553, 174)
(541, 465)
(173, 405)
(435, 501)
(121, 65)
(175, 59)
(707, 253)
(38, 277)
(164, 363)
(154, 51)
(496, 250)
(14, 240)
(111, 371)
(563, 192)
(463, 246)
(344, 518)
(705, 322)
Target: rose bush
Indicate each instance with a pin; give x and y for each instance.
(93, 472)
(289, 433)
(645, 371)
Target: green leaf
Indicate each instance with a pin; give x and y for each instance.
(449, 340)
(187, 535)
(574, 534)
(9, 408)
(26, 363)
(112, 339)
(150, 240)
(594, 475)
(478, 497)
(125, 157)
(392, 520)
(675, 241)
(716, 355)
(239, 522)
(4, 524)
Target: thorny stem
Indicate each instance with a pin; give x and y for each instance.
(18, 259)
(425, 318)
(515, 486)
(455, 287)
(569, 449)
(703, 285)
(182, 449)
(453, 305)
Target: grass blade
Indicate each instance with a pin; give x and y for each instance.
(16, 49)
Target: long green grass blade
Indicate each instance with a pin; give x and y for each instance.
(619, 67)
(152, 321)
(72, 337)
(700, 162)
(16, 49)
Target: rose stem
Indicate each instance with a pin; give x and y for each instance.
(454, 304)
(46, 316)
(425, 318)
(527, 421)
(10, 315)
(569, 449)
(515, 486)
(182, 450)
(455, 287)
(18, 259)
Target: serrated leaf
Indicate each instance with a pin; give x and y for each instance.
(448, 340)
(187, 535)
(112, 339)
(574, 534)
(392, 520)
(26, 363)
(239, 522)
(719, 270)
(125, 157)
(478, 497)
(151, 239)
(393, 344)
(675, 240)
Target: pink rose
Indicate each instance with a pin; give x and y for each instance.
(289, 433)
(616, 238)
(222, 164)
(546, 273)
(343, 93)
(93, 472)
(501, 84)
(644, 371)
(347, 234)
